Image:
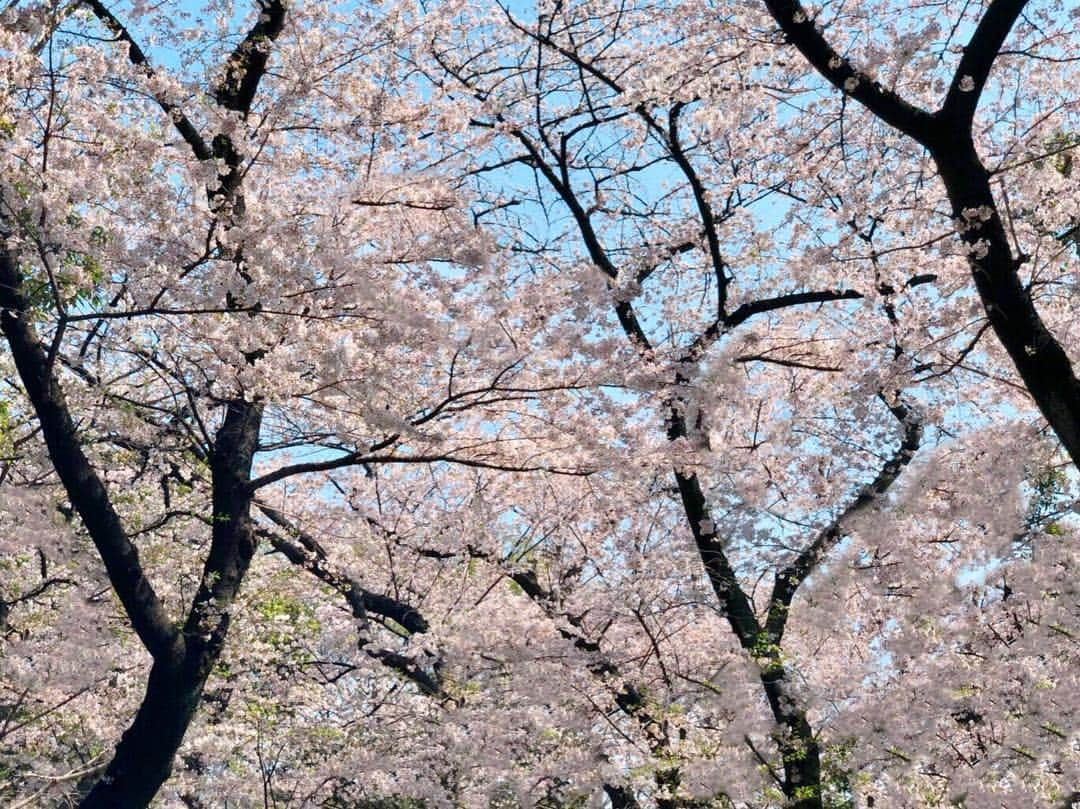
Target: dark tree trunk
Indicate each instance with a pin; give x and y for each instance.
(621, 797)
(182, 657)
(144, 757)
(1039, 358)
(795, 739)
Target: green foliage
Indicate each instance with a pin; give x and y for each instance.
(1061, 145)
(289, 620)
(283, 608)
(837, 778)
(1049, 494)
(6, 430)
(768, 654)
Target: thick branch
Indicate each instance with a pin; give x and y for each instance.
(246, 65)
(138, 58)
(760, 307)
(244, 69)
(303, 550)
(233, 540)
(705, 211)
(1041, 361)
(361, 459)
(787, 581)
(621, 797)
(144, 757)
(597, 254)
(410, 669)
(737, 607)
(804, 34)
(795, 739)
(974, 68)
(629, 698)
(765, 305)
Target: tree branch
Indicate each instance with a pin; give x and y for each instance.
(138, 58)
(246, 65)
(760, 307)
(787, 581)
(804, 34)
(361, 459)
(307, 553)
(982, 49)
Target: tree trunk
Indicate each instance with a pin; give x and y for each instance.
(144, 757)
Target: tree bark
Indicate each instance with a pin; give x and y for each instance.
(144, 757)
(799, 750)
(1039, 358)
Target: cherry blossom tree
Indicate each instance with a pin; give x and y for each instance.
(456, 405)
(172, 242)
(660, 159)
